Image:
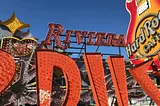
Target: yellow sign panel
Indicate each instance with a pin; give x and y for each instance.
(14, 24)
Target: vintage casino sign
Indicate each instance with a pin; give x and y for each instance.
(143, 35)
(93, 38)
(143, 40)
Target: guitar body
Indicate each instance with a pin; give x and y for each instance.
(143, 36)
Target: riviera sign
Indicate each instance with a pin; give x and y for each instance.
(101, 39)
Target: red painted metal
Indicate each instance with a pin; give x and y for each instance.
(94, 66)
(46, 62)
(80, 36)
(55, 30)
(139, 73)
(118, 73)
(7, 70)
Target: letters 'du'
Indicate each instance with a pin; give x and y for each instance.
(47, 60)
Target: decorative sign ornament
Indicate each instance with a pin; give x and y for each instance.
(143, 37)
(18, 47)
(14, 24)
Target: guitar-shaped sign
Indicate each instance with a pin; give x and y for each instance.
(143, 36)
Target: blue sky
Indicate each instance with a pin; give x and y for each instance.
(108, 16)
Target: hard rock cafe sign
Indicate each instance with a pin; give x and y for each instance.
(143, 35)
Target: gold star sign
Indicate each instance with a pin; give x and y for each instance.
(14, 24)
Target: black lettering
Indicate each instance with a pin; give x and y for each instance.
(149, 30)
(158, 37)
(155, 23)
(128, 50)
(154, 40)
(142, 37)
(133, 47)
(146, 48)
(137, 42)
(158, 15)
(150, 44)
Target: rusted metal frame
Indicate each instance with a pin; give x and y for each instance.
(97, 49)
(84, 52)
(81, 50)
(119, 50)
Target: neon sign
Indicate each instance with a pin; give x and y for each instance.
(102, 39)
(145, 41)
(146, 36)
(143, 37)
